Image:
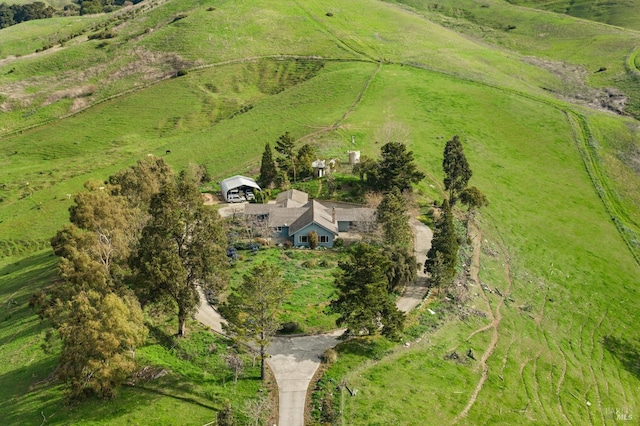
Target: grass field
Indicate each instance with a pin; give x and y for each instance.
(620, 13)
(558, 238)
(311, 276)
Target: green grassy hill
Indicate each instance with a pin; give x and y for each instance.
(620, 13)
(551, 138)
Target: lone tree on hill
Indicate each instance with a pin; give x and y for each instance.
(253, 309)
(456, 169)
(268, 170)
(363, 303)
(396, 168)
(180, 250)
(284, 146)
(442, 257)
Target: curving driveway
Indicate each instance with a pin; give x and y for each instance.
(294, 360)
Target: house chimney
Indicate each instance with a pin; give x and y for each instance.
(333, 215)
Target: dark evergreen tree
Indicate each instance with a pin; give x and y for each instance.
(456, 169)
(304, 161)
(403, 267)
(287, 161)
(396, 168)
(442, 257)
(268, 170)
(392, 216)
(364, 305)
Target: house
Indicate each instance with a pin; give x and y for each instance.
(238, 188)
(293, 217)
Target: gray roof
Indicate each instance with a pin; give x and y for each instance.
(357, 214)
(315, 213)
(237, 182)
(292, 198)
(297, 216)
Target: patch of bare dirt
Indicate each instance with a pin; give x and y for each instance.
(577, 91)
(210, 199)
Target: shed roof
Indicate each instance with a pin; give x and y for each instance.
(236, 182)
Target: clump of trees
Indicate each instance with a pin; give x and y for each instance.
(364, 303)
(141, 237)
(16, 13)
(290, 165)
(442, 258)
(395, 168)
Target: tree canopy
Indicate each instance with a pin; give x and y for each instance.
(442, 257)
(456, 169)
(392, 216)
(287, 161)
(181, 249)
(364, 303)
(253, 309)
(268, 169)
(396, 168)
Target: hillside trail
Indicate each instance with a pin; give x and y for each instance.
(494, 316)
(294, 360)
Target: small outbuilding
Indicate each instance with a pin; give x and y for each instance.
(238, 188)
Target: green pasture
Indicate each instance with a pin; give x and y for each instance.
(562, 182)
(563, 341)
(623, 13)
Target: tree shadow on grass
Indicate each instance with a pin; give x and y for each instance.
(369, 347)
(626, 352)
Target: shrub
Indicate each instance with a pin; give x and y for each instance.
(311, 263)
(329, 14)
(329, 356)
(182, 72)
(338, 243)
(313, 239)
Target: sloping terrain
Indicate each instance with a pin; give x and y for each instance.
(550, 136)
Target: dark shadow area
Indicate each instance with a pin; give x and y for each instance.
(372, 348)
(27, 275)
(626, 352)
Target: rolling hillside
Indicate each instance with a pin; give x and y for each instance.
(546, 105)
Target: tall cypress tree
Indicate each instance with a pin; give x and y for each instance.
(442, 257)
(456, 169)
(284, 146)
(268, 170)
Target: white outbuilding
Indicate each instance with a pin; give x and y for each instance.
(238, 188)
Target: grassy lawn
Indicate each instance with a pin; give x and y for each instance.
(311, 275)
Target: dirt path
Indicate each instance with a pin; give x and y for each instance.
(414, 293)
(496, 317)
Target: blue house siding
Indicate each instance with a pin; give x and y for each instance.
(325, 237)
(281, 231)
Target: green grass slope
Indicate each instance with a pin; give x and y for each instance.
(623, 13)
(562, 178)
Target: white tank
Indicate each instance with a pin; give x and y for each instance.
(354, 157)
